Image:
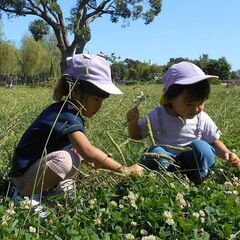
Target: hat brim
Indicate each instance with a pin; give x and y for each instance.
(191, 80)
(107, 87)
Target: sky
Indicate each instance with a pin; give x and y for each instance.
(184, 28)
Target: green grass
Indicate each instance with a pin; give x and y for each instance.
(109, 206)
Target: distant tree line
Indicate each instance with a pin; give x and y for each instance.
(132, 71)
(38, 62)
(33, 62)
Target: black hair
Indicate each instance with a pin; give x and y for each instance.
(89, 89)
(195, 92)
(85, 88)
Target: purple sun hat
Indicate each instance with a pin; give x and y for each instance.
(184, 73)
(91, 68)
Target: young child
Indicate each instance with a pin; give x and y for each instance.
(181, 122)
(55, 145)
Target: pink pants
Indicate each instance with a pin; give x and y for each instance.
(63, 163)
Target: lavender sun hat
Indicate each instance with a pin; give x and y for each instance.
(184, 73)
(91, 68)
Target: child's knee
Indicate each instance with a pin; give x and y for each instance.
(63, 163)
(204, 152)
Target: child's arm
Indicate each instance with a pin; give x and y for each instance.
(133, 128)
(96, 156)
(224, 153)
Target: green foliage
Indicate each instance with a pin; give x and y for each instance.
(36, 60)
(9, 59)
(39, 29)
(219, 67)
(109, 206)
(82, 14)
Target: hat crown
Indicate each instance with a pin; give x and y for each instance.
(89, 68)
(184, 73)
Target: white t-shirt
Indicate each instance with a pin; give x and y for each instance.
(169, 130)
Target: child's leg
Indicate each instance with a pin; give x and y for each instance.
(154, 162)
(55, 167)
(197, 161)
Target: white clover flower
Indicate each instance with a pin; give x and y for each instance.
(150, 237)
(235, 192)
(5, 219)
(92, 201)
(170, 221)
(143, 232)
(228, 184)
(134, 224)
(120, 206)
(168, 217)
(132, 196)
(202, 219)
(11, 205)
(196, 215)
(130, 236)
(228, 192)
(97, 221)
(201, 231)
(10, 211)
(180, 201)
(202, 213)
(26, 203)
(4, 223)
(235, 179)
(167, 214)
(91, 206)
(113, 203)
(32, 229)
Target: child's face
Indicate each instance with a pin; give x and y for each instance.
(181, 106)
(92, 104)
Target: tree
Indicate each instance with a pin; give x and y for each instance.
(9, 59)
(1, 33)
(39, 29)
(83, 13)
(219, 67)
(35, 60)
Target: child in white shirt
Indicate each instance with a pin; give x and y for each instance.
(181, 122)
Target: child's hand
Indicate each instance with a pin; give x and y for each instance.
(133, 114)
(134, 169)
(233, 159)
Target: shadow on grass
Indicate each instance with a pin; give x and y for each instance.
(4, 187)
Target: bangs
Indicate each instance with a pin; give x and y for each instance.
(199, 91)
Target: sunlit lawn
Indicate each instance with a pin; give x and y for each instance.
(109, 206)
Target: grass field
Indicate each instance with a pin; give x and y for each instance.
(110, 206)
